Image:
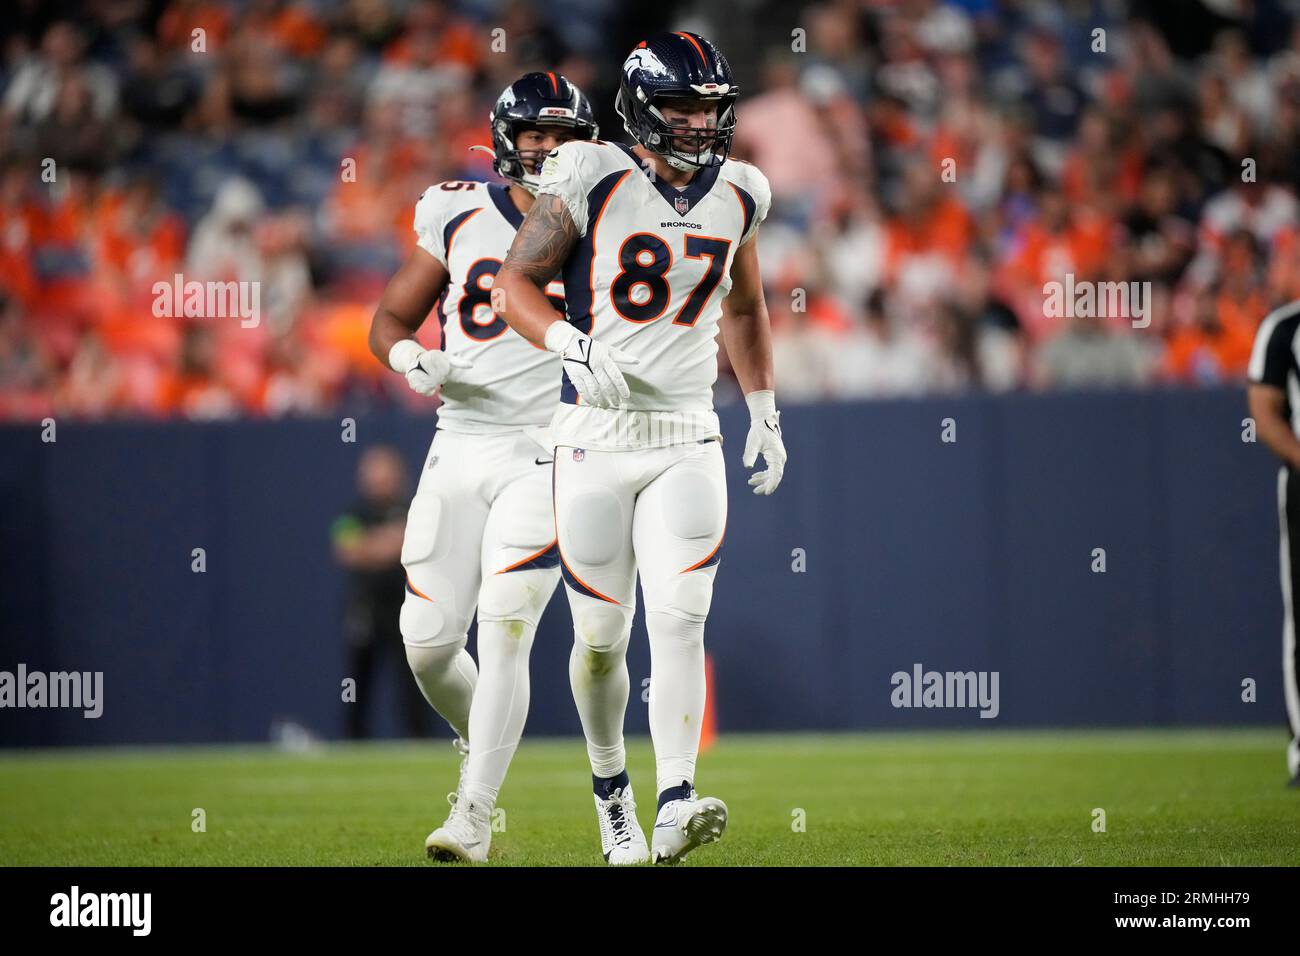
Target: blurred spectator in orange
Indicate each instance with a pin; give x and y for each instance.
(192, 389)
(19, 225)
(138, 238)
(1241, 301)
(181, 18)
(1208, 350)
(927, 236)
(1061, 241)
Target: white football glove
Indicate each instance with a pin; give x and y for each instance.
(592, 366)
(425, 369)
(765, 438)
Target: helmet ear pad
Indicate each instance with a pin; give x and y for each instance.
(509, 160)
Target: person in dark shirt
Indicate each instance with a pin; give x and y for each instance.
(367, 541)
(1274, 383)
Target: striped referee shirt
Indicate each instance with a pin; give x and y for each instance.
(1275, 358)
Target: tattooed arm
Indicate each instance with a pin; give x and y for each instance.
(542, 244)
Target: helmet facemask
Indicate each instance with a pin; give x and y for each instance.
(511, 162)
(684, 148)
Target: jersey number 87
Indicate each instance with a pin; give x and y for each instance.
(644, 260)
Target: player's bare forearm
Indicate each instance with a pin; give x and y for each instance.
(407, 300)
(1268, 408)
(746, 330)
(541, 246)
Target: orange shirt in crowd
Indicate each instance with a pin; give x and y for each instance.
(1195, 354)
(138, 255)
(1242, 314)
(944, 228)
(177, 24)
(1081, 249)
(1284, 266)
(295, 31)
(456, 43)
(1082, 186)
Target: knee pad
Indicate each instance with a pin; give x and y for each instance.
(432, 665)
(691, 505)
(590, 527)
(602, 637)
(603, 628)
(428, 663)
(516, 595)
(690, 597)
(429, 616)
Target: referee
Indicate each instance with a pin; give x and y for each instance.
(1275, 406)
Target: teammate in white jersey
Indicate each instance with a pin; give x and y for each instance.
(481, 530)
(658, 253)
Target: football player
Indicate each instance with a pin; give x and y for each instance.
(657, 248)
(480, 531)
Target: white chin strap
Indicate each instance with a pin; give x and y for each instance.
(676, 162)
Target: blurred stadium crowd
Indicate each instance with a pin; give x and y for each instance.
(214, 138)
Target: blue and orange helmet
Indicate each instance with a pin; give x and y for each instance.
(533, 100)
(678, 66)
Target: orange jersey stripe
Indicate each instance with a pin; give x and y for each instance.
(531, 557)
(417, 591)
(603, 597)
(708, 557)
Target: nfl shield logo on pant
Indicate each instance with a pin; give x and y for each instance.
(579, 454)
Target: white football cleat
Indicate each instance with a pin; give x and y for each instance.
(466, 835)
(468, 831)
(682, 825)
(621, 839)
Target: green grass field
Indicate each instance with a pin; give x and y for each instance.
(1170, 798)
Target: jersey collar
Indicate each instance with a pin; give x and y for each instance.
(692, 192)
(505, 205)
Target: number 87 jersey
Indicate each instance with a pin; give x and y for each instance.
(648, 274)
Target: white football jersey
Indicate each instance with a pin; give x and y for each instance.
(468, 227)
(648, 276)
